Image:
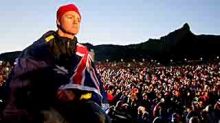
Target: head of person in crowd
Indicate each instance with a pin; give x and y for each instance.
(141, 110)
(194, 119)
(68, 20)
(217, 105)
(175, 118)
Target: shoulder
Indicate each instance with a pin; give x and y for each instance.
(45, 38)
(40, 47)
(48, 37)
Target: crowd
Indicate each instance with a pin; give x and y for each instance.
(5, 68)
(148, 92)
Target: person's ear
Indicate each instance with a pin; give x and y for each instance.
(58, 22)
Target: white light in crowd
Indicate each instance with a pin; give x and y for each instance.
(143, 60)
(129, 65)
(158, 63)
(171, 60)
(217, 57)
(151, 60)
(106, 60)
(122, 60)
(133, 60)
(201, 58)
(141, 63)
(0, 62)
(185, 59)
(7, 69)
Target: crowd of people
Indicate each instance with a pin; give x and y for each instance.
(5, 68)
(149, 92)
(146, 92)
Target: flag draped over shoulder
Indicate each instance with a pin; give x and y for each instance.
(84, 76)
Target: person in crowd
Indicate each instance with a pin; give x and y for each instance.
(55, 78)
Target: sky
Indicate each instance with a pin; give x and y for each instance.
(119, 22)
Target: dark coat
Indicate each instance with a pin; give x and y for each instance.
(49, 64)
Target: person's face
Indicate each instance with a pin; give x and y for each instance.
(70, 22)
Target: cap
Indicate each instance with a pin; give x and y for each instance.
(65, 8)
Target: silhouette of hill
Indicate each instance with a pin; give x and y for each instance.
(9, 56)
(183, 43)
(179, 44)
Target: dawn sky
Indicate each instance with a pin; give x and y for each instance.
(119, 22)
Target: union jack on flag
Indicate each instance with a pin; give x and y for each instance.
(84, 76)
